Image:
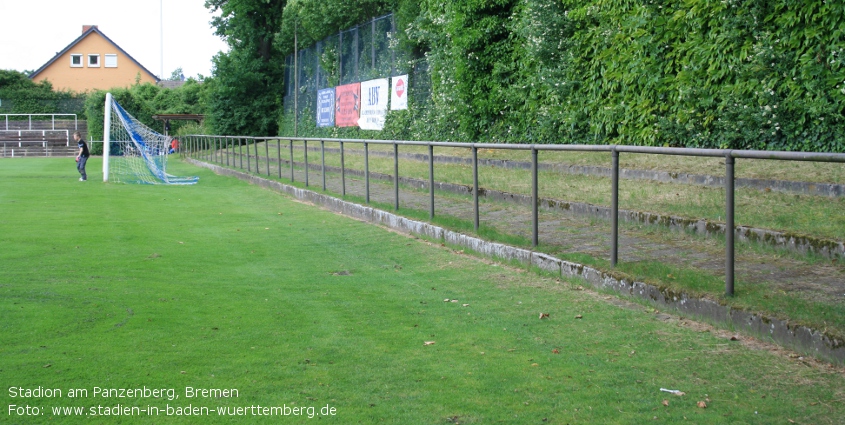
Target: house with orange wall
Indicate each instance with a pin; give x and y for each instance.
(92, 62)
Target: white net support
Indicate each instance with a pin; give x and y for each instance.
(137, 153)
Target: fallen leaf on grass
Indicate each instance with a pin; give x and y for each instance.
(556, 351)
(47, 365)
(428, 343)
(464, 305)
(544, 315)
(702, 404)
(579, 316)
(666, 402)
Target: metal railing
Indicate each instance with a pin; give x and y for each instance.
(210, 148)
(29, 120)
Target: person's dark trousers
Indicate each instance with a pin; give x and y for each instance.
(81, 166)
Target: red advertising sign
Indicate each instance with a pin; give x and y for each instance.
(348, 105)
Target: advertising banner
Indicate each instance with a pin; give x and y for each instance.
(347, 105)
(399, 93)
(373, 104)
(325, 108)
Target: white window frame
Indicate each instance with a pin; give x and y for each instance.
(112, 56)
(91, 56)
(76, 55)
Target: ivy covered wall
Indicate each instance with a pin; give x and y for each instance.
(749, 74)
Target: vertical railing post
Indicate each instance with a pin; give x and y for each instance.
(614, 208)
(395, 175)
(267, 155)
(475, 187)
(367, 171)
(431, 182)
(729, 224)
(342, 173)
(279, 156)
(323, 162)
(535, 200)
(241, 152)
(257, 156)
(290, 146)
(305, 152)
(248, 160)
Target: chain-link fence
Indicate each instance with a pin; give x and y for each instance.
(365, 52)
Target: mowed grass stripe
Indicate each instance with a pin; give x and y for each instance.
(226, 285)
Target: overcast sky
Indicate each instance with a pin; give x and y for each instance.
(33, 31)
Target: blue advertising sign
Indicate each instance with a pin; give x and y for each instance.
(325, 108)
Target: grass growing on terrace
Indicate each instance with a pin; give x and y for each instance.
(818, 216)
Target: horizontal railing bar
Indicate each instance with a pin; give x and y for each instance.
(653, 150)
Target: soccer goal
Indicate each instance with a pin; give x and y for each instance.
(133, 152)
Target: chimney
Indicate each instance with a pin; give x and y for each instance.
(85, 28)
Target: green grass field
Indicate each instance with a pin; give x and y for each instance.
(223, 285)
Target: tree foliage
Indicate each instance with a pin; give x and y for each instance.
(744, 74)
(245, 94)
(143, 101)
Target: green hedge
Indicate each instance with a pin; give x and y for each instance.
(20, 95)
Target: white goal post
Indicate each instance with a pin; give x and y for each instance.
(133, 152)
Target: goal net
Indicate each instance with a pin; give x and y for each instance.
(133, 152)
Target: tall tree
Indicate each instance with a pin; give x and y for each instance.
(246, 94)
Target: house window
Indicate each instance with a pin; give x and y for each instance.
(76, 61)
(93, 61)
(111, 61)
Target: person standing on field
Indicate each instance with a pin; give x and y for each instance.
(82, 155)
